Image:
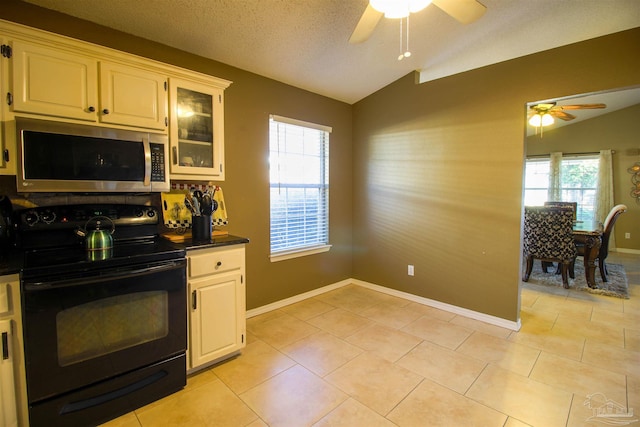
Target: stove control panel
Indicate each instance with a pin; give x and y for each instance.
(74, 216)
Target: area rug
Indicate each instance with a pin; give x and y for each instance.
(617, 286)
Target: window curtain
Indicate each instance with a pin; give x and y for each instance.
(555, 160)
(604, 195)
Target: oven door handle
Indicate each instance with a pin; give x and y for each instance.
(83, 281)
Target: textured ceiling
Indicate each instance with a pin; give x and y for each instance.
(304, 43)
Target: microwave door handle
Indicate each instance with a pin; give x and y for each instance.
(147, 161)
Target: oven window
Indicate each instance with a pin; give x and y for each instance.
(111, 324)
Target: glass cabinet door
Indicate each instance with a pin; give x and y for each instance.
(196, 131)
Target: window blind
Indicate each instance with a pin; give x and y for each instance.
(299, 184)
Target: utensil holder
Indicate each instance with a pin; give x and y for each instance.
(201, 227)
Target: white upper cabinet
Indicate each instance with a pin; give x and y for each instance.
(60, 78)
(6, 167)
(54, 82)
(132, 97)
(196, 132)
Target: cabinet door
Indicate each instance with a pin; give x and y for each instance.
(217, 323)
(8, 415)
(197, 131)
(53, 82)
(4, 88)
(132, 97)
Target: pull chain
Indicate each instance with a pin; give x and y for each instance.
(406, 53)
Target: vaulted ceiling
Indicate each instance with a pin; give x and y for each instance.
(305, 43)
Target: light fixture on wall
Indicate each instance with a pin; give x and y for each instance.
(399, 8)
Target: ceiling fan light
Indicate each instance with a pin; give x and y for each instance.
(535, 120)
(547, 119)
(541, 119)
(391, 8)
(418, 5)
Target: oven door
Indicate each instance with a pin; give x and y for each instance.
(82, 330)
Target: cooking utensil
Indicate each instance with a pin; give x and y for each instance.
(206, 207)
(196, 206)
(214, 202)
(189, 205)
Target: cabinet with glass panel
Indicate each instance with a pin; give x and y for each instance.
(197, 129)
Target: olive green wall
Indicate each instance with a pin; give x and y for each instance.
(429, 175)
(617, 131)
(248, 103)
(438, 170)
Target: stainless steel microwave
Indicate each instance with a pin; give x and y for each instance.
(64, 157)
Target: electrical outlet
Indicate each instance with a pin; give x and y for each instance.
(627, 235)
(410, 270)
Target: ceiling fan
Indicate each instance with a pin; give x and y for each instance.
(465, 11)
(544, 113)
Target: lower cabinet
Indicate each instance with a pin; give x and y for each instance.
(217, 310)
(8, 415)
(13, 394)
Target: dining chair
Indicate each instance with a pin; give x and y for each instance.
(548, 236)
(572, 205)
(607, 227)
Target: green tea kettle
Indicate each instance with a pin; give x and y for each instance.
(97, 239)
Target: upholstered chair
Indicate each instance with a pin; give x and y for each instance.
(572, 205)
(548, 236)
(607, 227)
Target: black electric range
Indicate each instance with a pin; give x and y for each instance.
(105, 331)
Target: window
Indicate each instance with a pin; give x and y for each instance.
(578, 183)
(299, 185)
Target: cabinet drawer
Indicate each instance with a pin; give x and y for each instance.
(215, 261)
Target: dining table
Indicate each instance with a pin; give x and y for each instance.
(589, 234)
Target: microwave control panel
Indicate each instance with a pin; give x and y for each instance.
(157, 163)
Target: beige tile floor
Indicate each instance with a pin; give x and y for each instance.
(356, 357)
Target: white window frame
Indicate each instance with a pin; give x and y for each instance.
(277, 145)
(566, 158)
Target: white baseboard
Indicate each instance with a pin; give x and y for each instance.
(296, 298)
(627, 251)
(492, 320)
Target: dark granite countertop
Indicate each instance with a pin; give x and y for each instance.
(217, 241)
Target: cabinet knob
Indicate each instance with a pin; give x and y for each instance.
(92, 109)
(105, 111)
(218, 264)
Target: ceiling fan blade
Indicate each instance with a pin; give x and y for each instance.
(464, 11)
(582, 106)
(366, 25)
(562, 115)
